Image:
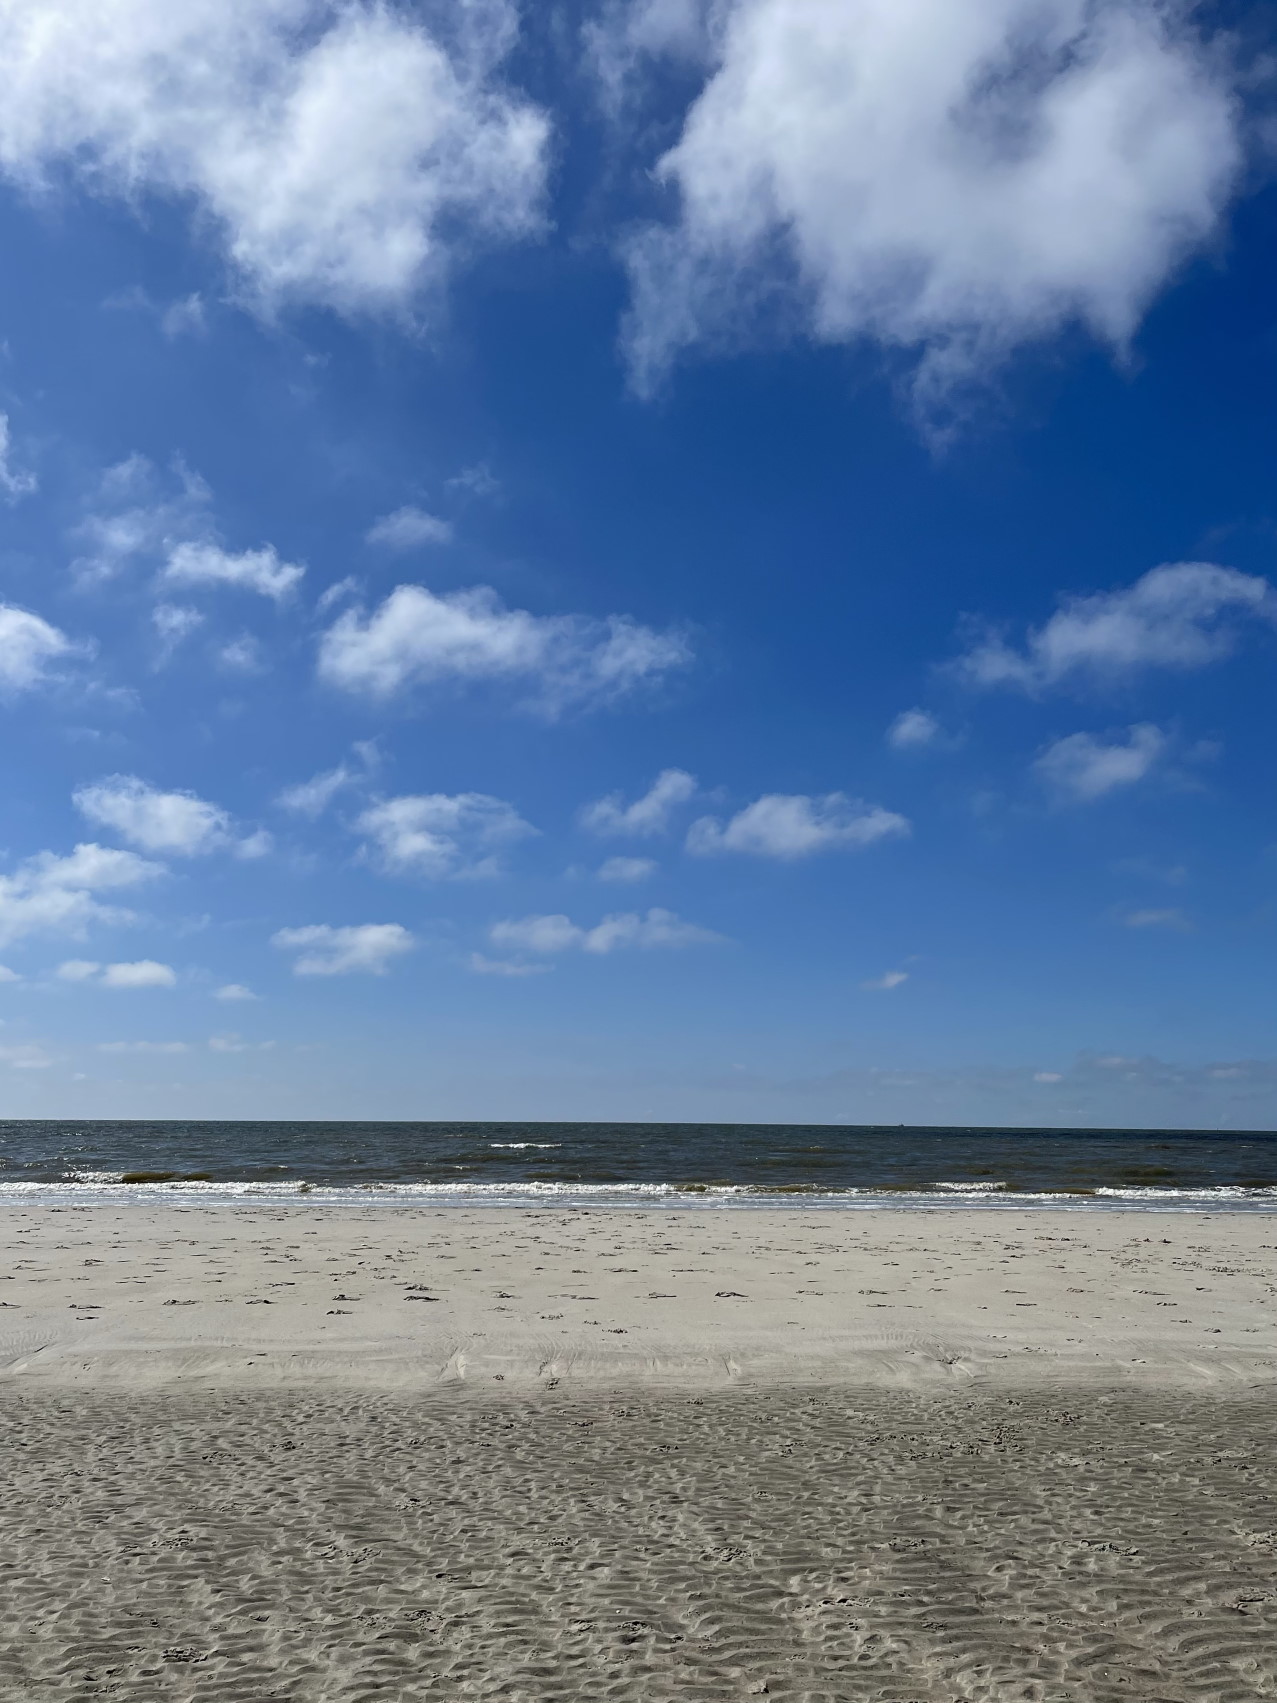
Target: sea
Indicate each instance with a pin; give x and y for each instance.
(671, 1166)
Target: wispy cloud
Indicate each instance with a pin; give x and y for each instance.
(648, 815)
(29, 645)
(790, 826)
(1082, 768)
(554, 934)
(58, 895)
(180, 823)
(418, 638)
(366, 948)
(440, 834)
(1181, 616)
(409, 528)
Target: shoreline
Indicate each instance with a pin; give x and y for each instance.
(256, 1295)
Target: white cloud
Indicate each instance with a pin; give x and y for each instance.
(27, 1056)
(311, 798)
(1172, 919)
(949, 180)
(13, 483)
(627, 869)
(550, 934)
(251, 570)
(504, 966)
(1081, 767)
(28, 644)
(185, 317)
(348, 587)
(789, 826)
(915, 730)
(438, 834)
(418, 638)
(884, 983)
(242, 655)
(143, 1047)
(7, 975)
(234, 991)
(1048, 1076)
(55, 895)
(327, 951)
(343, 153)
(647, 816)
(156, 821)
(78, 969)
(409, 528)
(145, 973)
(134, 514)
(173, 622)
(1181, 615)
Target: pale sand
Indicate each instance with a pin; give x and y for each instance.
(376, 1297)
(1013, 1456)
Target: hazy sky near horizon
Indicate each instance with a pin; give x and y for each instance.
(698, 559)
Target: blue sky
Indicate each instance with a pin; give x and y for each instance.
(669, 561)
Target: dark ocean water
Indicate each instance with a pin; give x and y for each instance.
(652, 1164)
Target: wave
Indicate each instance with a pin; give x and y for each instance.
(85, 1187)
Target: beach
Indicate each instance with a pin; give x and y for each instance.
(315, 1454)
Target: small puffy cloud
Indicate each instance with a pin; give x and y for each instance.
(1182, 616)
(7, 975)
(1081, 768)
(250, 570)
(143, 1047)
(27, 1055)
(145, 973)
(14, 482)
(885, 983)
(409, 528)
(156, 821)
(78, 970)
(57, 895)
(627, 869)
(951, 182)
(553, 934)
(648, 815)
(1172, 918)
(416, 638)
(28, 644)
(790, 826)
(234, 991)
(367, 948)
(916, 730)
(1048, 1076)
(441, 834)
(342, 155)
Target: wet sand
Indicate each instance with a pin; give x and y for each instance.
(957, 1456)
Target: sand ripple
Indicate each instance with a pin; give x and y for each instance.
(819, 1546)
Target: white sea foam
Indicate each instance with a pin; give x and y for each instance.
(104, 1187)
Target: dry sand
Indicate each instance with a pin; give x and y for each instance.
(399, 1298)
(652, 1457)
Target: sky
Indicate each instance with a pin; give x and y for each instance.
(698, 560)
